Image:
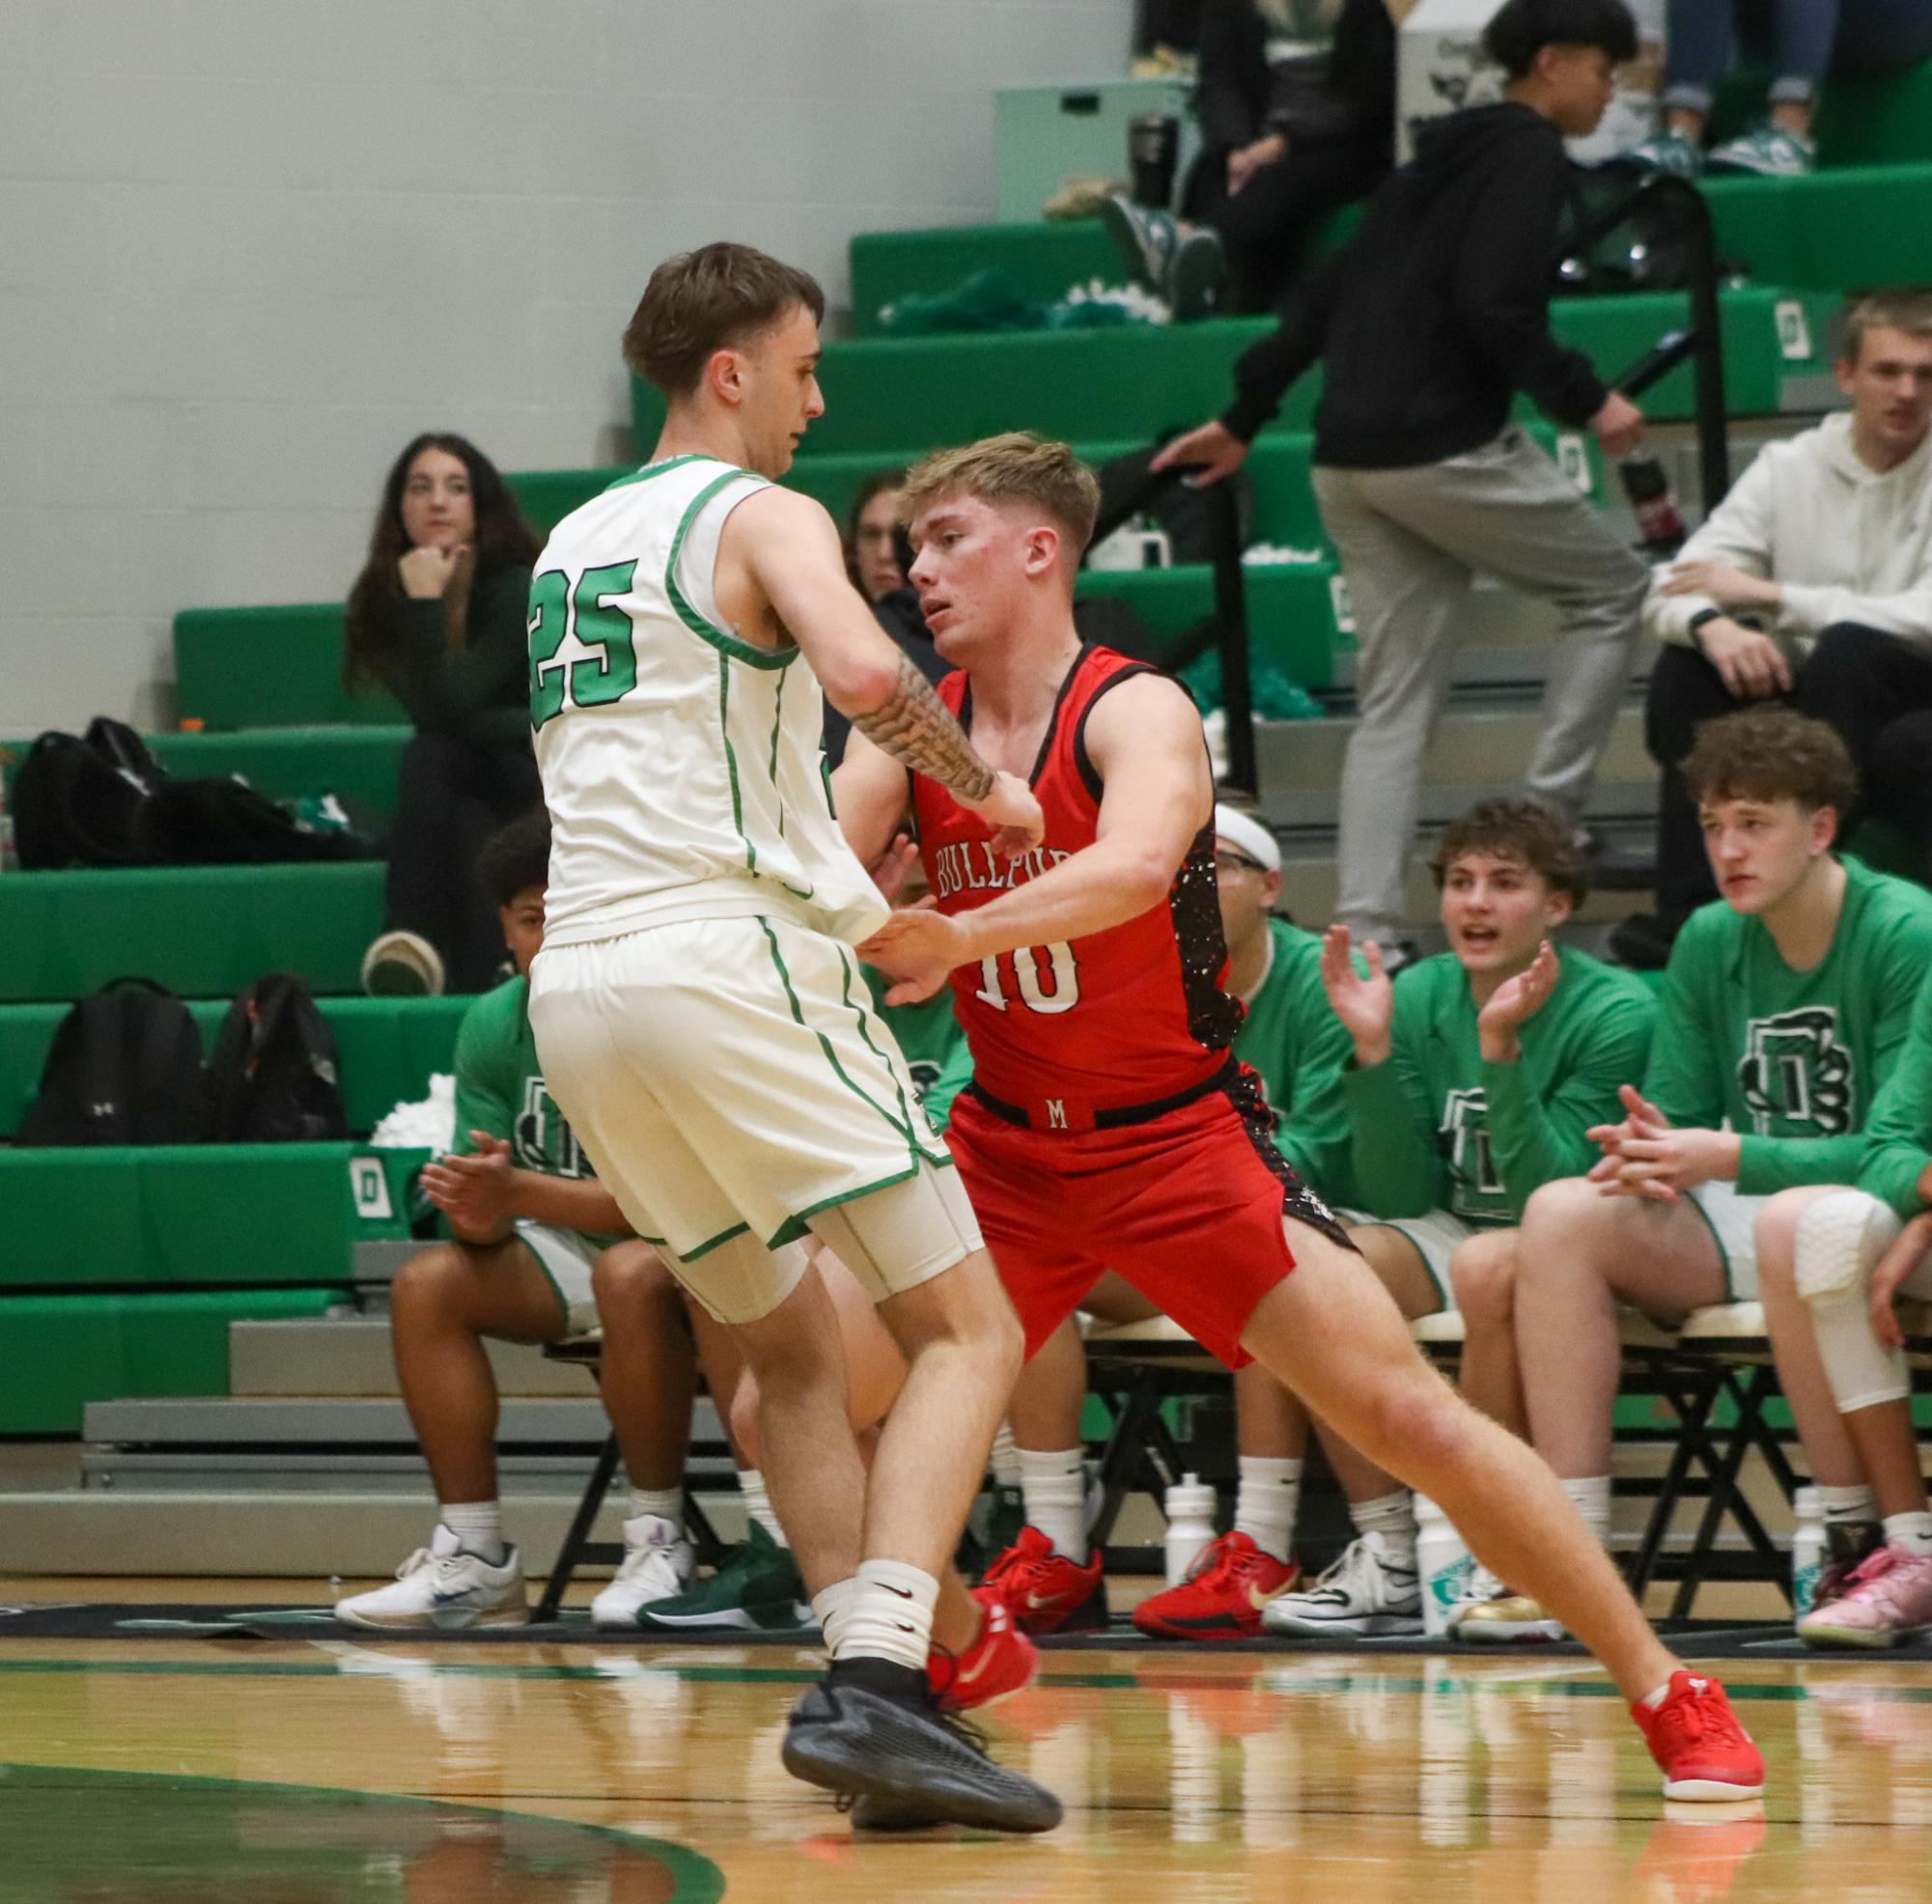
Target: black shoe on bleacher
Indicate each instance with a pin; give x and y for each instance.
(907, 1757)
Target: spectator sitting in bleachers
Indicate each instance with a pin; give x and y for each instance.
(1783, 1012)
(1807, 38)
(438, 617)
(1428, 324)
(1812, 580)
(539, 1252)
(1475, 1080)
(1833, 1261)
(1296, 110)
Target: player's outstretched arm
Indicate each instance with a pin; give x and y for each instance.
(871, 793)
(788, 547)
(1145, 740)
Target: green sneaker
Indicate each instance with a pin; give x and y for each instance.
(757, 1590)
(1766, 151)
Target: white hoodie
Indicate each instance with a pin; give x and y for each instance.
(1847, 543)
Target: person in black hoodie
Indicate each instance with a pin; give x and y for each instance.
(1429, 323)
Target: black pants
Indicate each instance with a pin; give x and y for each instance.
(1266, 228)
(1874, 688)
(450, 798)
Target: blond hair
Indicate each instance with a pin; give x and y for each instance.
(1014, 466)
(1908, 308)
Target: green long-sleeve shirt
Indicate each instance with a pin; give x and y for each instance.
(481, 691)
(1898, 1138)
(1438, 1128)
(1298, 1045)
(1794, 1061)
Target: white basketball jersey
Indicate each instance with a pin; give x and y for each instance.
(683, 769)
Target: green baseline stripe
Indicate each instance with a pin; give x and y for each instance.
(723, 640)
(697, 1880)
(905, 1130)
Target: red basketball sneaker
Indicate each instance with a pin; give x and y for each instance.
(1045, 1591)
(1223, 1598)
(1002, 1660)
(1696, 1738)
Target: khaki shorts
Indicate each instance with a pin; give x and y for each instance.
(1732, 1221)
(730, 1082)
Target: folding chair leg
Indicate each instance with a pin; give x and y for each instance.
(570, 1554)
(1694, 1412)
(1724, 1496)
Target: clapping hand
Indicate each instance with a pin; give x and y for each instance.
(1514, 1003)
(1645, 1157)
(1365, 1002)
(474, 1192)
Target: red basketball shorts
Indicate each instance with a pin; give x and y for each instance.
(1187, 1208)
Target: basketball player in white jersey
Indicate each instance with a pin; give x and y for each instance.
(703, 1023)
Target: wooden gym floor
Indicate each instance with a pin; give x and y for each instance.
(201, 1772)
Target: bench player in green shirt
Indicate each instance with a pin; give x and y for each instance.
(1474, 1079)
(539, 1250)
(1786, 1007)
(1833, 1264)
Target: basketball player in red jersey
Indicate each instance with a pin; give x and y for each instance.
(1107, 1125)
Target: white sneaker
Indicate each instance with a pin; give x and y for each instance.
(440, 1586)
(658, 1563)
(1501, 1615)
(1369, 1593)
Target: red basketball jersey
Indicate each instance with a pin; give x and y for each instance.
(1125, 1017)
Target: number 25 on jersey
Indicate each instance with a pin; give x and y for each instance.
(1048, 978)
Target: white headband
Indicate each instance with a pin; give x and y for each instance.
(1250, 835)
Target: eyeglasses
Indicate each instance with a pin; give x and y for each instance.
(1226, 862)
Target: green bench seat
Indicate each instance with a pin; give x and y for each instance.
(59, 1352)
(891, 395)
(202, 931)
(388, 1047)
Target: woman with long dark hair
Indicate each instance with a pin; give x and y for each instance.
(437, 617)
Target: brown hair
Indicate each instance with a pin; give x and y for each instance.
(1908, 308)
(1520, 830)
(716, 298)
(878, 484)
(1770, 754)
(1017, 466)
(372, 634)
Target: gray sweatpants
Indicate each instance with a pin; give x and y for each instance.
(1410, 541)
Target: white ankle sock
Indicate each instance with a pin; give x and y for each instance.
(1392, 1516)
(1911, 1531)
(1004, 1461)
(665, 1503)
(1264, 1506)
(478, 1528)
(891, 1614)
(832, 1606)
(1847, 1507)
(1590, 1497)
(758, 1504)
(1053, 1485)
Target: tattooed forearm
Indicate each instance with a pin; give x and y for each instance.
(915, 729)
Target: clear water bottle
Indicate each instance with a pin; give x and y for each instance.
(1445, 1566)
(1807, 1550)
(1191, 1524)
(1652, 501)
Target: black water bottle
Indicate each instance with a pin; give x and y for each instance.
(1659, 520)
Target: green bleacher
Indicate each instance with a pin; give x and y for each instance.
(125, 1268)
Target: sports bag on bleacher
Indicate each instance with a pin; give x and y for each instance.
(85, 799)
(274, 1075)
(125, 1068)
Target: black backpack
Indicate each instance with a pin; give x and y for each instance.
(273, 1077)
(86, 800)
(211, 822)
(125, 1068)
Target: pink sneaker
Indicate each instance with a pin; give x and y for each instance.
(1887, 1598)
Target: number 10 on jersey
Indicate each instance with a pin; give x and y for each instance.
(1046, 979)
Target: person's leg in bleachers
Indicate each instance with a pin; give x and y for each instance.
(443, 1303)
(648, 1377)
